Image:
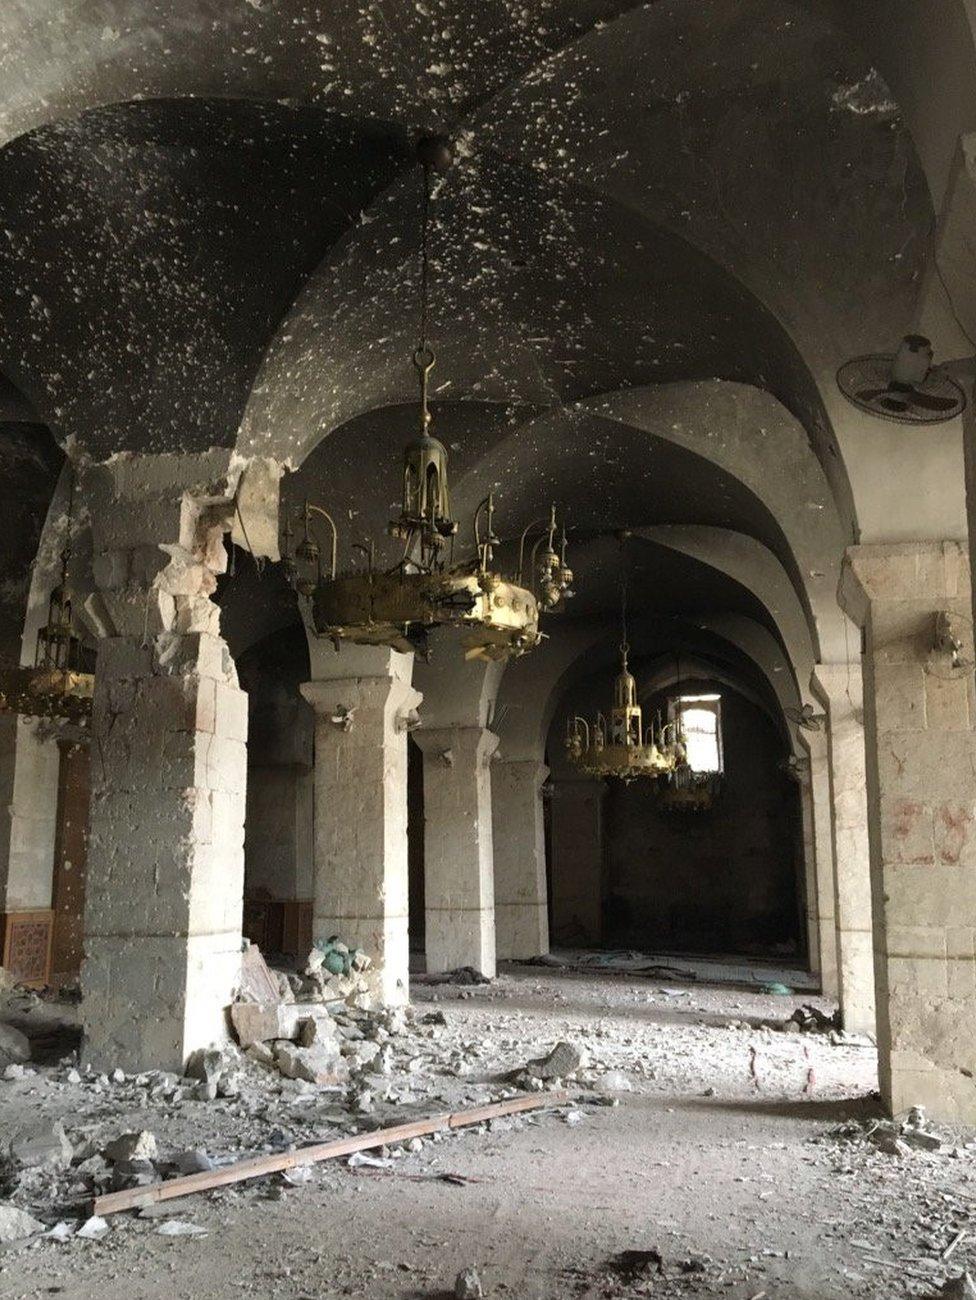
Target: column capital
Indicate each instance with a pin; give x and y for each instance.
(479, 742)
(337, 700)
(925, 573)
(531, 768)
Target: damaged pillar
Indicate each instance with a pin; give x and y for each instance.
(169, 727)
(838, 686)
(518, 830)
(578, 860)
(913, 600)
(818, 841)
(364, 706)
(459, 872)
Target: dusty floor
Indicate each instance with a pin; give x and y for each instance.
(722, 1157)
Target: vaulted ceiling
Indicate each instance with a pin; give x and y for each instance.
(667, 224)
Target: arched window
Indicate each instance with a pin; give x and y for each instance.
(699, 721)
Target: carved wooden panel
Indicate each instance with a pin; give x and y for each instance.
(27, 946)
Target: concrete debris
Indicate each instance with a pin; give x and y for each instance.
(362, 1159)
(322, 1064)
(809, 1019)
(900, 1137)
(260, 1054)
(41, 1144)
(257, 982)
(92, 1229)
(132, 1147)
(180, 1228)
(194, 1161)
(16, 1224)
(15, 1047)
(258, 1022)
(562, 1062)
(462, 975)
(956, 1288)
(613, 1081)
(468, 1285)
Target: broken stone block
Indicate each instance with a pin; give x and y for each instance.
(382, 1062)
(467, 1285)
(17, 1224)
(319, 1065)
(132, 1173)
(921, 1141)
(205, 1064)
(41, 1144)
(361, 1054)
(259, 1022)
(256, 1022)
(14, 1046)
(132, 1147)
(193, 1162)
(260, 1053)
(562, 1061)
(890, 1144)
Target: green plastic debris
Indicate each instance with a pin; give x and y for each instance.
(338, 958)
(780, 990)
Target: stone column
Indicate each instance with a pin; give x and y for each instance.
(364, 705)
(459, 886)
(28, 824)
(459, 872)
(577, 860)
(521, 910)
(913, 600)
(820, 872)
(169, 728)
(811, 911)
(838, 686)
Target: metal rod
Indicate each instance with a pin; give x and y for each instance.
(310, 509)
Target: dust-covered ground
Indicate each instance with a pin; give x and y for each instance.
(696, 1136)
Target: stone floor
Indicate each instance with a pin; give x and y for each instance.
(737, 1152)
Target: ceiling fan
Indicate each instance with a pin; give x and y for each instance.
(806, 717)
(903, 386)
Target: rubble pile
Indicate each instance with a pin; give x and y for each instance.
(902, 1137)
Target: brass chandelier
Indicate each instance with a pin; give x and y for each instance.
(498, 617)
(622, 748)
(61, 683)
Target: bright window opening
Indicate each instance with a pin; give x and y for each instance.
(699, 718)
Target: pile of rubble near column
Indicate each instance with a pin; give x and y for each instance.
(316, 1025)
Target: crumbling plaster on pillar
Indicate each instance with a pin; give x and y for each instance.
(921, 757)
(169, 768)
(839, 689)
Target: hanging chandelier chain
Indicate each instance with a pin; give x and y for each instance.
(624, 644)
(424, 346)
(66, 549)
(423, 358)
